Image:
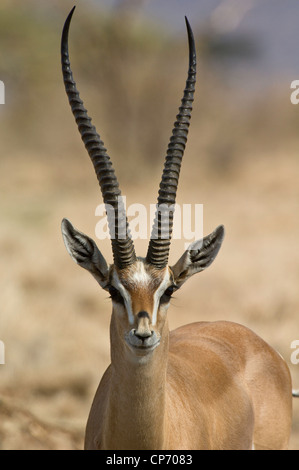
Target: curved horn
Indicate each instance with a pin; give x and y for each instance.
(122, 244)
(159, 245)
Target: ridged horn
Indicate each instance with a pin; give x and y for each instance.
(159, 244)
(122, 244)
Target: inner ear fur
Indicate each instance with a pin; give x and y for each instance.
(199, 255)
(85, 252)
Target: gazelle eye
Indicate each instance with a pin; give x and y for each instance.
(165, 298)
(115, 295)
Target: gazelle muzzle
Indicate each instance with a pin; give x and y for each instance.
(143, 341)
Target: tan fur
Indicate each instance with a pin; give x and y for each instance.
(206, 386)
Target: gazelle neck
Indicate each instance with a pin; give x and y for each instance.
(136, 409)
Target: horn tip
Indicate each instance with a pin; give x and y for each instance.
(191, 42)
(69, 17)
(72, 10)
(67, 24)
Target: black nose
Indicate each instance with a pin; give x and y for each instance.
(143, 334)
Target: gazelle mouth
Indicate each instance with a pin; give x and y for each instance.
(143, 350)
(145, 345)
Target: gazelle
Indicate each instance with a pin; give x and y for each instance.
(203, 386)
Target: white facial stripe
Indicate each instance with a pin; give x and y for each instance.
(161, 289)
(126, 297)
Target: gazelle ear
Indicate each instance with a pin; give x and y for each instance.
(85, 252)
(198, 256)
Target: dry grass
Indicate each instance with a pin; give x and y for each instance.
(241, 163)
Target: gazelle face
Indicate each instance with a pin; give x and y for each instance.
(140, 295)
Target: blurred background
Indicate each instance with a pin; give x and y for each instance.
(129, 59)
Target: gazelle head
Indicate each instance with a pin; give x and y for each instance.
(140, 288)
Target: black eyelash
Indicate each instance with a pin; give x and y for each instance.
(165, 298)
(115, 295)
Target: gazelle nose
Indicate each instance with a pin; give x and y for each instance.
(143, 333)
(143, 330)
